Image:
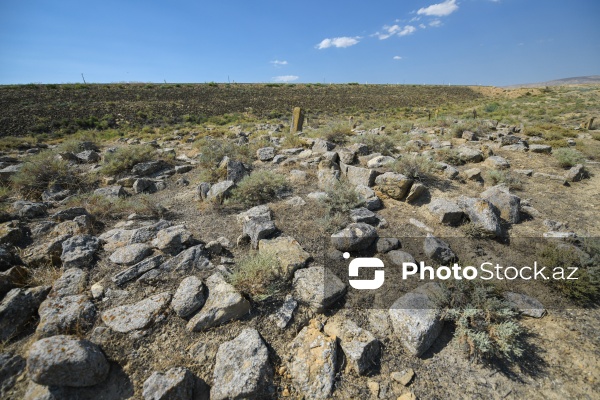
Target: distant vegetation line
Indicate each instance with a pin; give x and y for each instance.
(45, 109)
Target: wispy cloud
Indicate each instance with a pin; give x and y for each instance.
(285, 78)
(278, 63)
(396, 30)
(436, 23)
(397, 58)
(341, 42)
(439, 10)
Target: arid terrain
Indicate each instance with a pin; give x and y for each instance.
(187, 242)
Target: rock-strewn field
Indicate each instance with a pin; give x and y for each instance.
(207, 271)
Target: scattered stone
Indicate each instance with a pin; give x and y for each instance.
(172, 240)
(526, 172)
(78, 251)
(416, 191)
(236, 171)
(11, 367)
(130, 254)
(202, 191)
(438, 250)
(185, 263)
(450, 172)
(111, 191)
(290, 255)
(322, 146)
(469, 155)
(66, 361)
(482, 215)
(327, 178)
(420, 225)
(65, 314)
(219, 191)
(525, 304)
(540, 148)
(284, 314)
(137, 270)
(317, 196)
(355, 237)
(385, 245)
(295, 201)
(507, 204)
(136, 316)
(371, 201)
(174, 384)
(473, 174)
(71, 282)
(11, 234)
(258, 229)
(497, 162)
(18, 308)
(363, 215)
(144, 185)
(380, 161)
(359, 176)
(224, 304)
(346, 156)
(576, 173)
(189, 297)
(403, 377)
(214, 247)
(416, 319)
(28, 209)
(399, 257)
(265, 153)
(360, 346)
(55, 193)
(242, 368)
(394, 185)
(559, 178)
(17, 276)
(311, 362)
(182, 169)
(69, 214)
(408, 396)
(318, 287)
(445, 211)
(148, 168)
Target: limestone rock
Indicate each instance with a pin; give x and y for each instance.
(219, 191)
(481, 214)
(525, 304)
(111, 191)
(174, 384)
(359, 176)
(360, 346)
(136, 316)
(172, 240)
(507, 204)
(131, 254)
(355, 237)
(18, 308)
(290, 255)
(137, 270)
(65, 315)
(394, 185)
(189, 297)
(318, 287)
(438, 250)
(79, 251)
(445, 211)
(71, 282)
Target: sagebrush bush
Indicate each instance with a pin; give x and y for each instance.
(568, 157)
(586, 288)
(256, 275)
(337, 133)
(124, 158)
(415, 167)
(383, 143)
(342, 198)
(43, 170)
(486, 326)
(496, 177)
(212, 151)
(110, 208)
(259, 187)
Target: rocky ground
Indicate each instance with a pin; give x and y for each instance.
(148, 302)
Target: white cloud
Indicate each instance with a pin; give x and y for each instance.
(397, 58)
(396, 30)
(285, 78)
(338, 42)
(279, 63)
(439, 10)
(436, 23)
(422, 26)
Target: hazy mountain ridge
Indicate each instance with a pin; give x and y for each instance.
(579, 80)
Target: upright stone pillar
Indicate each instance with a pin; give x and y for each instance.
(297, 120)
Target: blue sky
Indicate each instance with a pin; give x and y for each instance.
(490, 42)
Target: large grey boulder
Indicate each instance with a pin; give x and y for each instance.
(69, 214)
(527, 305)
(236, 171)
(311, 361)
(242, 368)
(65, 315)
(416, 318)
(172, 240)
(72, 281)
(355, 237)
(322, 146)
(469, 155)
(259, 213)
(111, 191)
(78, 251)
(482, 215)
(445, 211)
(398, 257)
(185, 263)
(28, 209)
(369, 198)
(18, 308)
(144, 185)
(189, 296)
(497, 162)
(136, 316)
(137, 270)
(506, 203)
(88, 157)
(174, 384)
(265, 153)
(66, 361)
(394, 185)
(149, 168)
(317, 287)
(364, 215)
(359, 176)
(223, 304)
(360, 346)
(219, 191)
(258, 229)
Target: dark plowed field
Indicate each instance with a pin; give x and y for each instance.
(34, 108)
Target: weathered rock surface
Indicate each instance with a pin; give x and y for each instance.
(65, 315)
(527, 305)
(189, 297)
(136, 316)
(242, 368)
(290, 255)
(66, 361)
(355, 237)
(318, 287)
(174, 384)
(79, 251)
(131, 254)
(445, 211)
(394, 185)
(18, 308)
(438, 250)
(507, 204)
(72, 281)
(137, 270)
(360, 346)
(482, 215)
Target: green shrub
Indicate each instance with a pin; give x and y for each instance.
(256, 275)
(568, 157)
(338, 133)
(415, 167)
(486, 326)
(43, 170)
(342, 198)
(496, 177)
(258, 188)
(72, 146)
(586, 288)
(383, 144)
(110, 208)
(124, 158)
(212, 151)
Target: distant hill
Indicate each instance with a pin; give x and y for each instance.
(580, 80)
